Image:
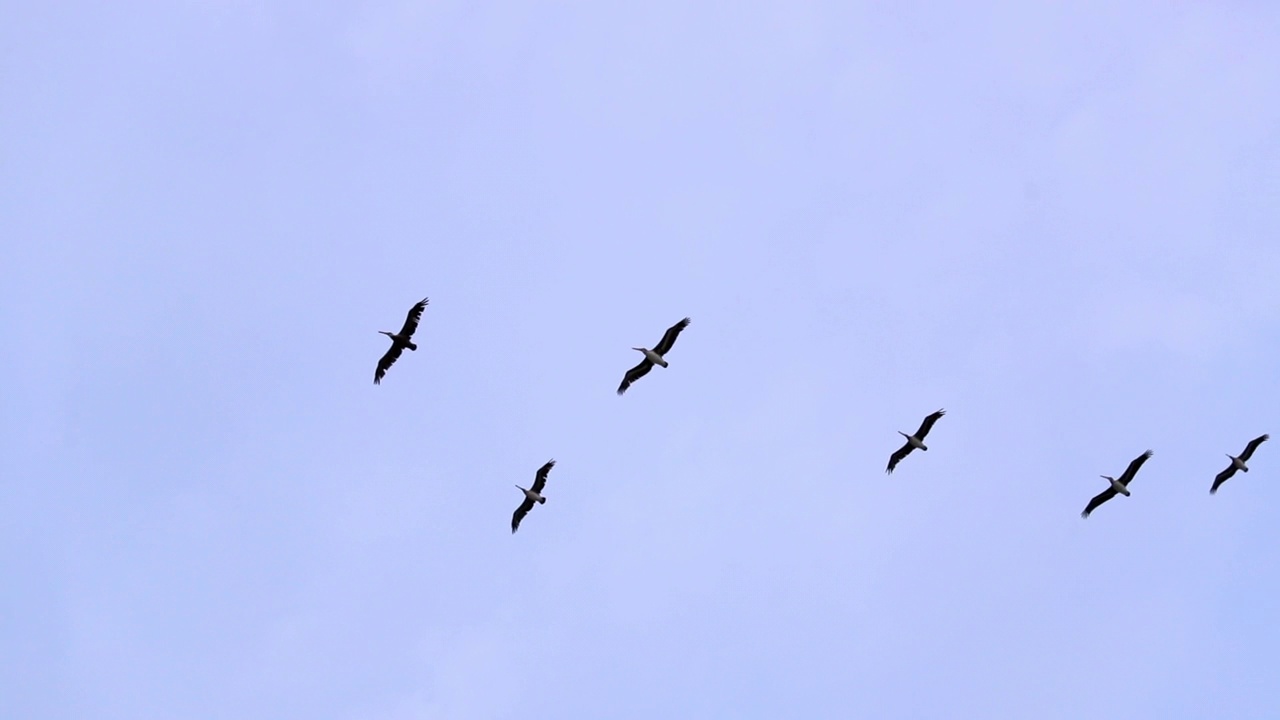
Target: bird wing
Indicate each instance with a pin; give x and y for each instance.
(1253, 445)
(897, 456)
(540, 481)
(928, 424)
(387, 361)
(669, 337)
(635, 374)
(411, 320)
(520, 512)
(1097, 500)
(1132, 470)
(1222, 477)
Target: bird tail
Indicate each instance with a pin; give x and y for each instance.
(542, 500)
(411, 346)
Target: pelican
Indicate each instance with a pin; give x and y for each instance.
(654, 356)
(913, 441)
(532, 495)
(1120, 485)
(1237, 463)
(399, 341)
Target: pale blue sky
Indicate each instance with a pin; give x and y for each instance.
(1056, 220)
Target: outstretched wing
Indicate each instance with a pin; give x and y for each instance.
(635, 374)
(411, 321)
(520, 512)
(897, 456)
(669, 337)
(1097, 500)
(387, 361)
(540, 481)
(1132, 470)
(928, 424)
(1253, 445)
(1222, 477)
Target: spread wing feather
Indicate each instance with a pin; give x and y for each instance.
(635, 374)
(540, 481)
(669, 337)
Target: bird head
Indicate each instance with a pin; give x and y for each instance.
(384, 332)
(640, 349)
(1107, 477)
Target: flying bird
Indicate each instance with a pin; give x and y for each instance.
(1237, 463)
(1120, 485)
(400, 341)
(532, 495)
(654, 356)
(913, 441)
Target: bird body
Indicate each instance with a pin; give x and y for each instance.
(531, 495)
(915, 441)
(1116, 486)
(397, 339)
(656, 356)
(1238, 463)
(652, 356)
(1119, 486)
(400, 341)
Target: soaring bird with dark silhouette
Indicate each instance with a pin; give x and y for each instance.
(532, 495)
(1238, 463)
(656, 356)
(1119, 486)
(400, 341)
(913, 441)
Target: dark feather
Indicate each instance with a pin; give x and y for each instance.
(520, 512)
(387, 361)
(540, 481)
(1097, 500)
(1132, 470)
(928, 424)
(635, 374)
(669, 337)
(1253, 445)
(411, 321)
(1222, 477)
(896, 458)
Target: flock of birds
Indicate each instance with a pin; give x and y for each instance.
(657, 356)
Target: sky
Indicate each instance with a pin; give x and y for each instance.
(1058, 221)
